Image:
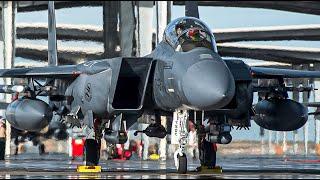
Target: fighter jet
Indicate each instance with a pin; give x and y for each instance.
(183, 74)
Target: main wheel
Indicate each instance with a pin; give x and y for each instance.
(2, 148)
(182, 168)
(41, 149)
(92, 152)
(208, 154)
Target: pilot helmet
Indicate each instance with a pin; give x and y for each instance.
(187, 33)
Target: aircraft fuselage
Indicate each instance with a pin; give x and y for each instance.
(194, 80)
(197, 80)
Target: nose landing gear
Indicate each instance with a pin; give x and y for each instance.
(180, 129)
(181, 162)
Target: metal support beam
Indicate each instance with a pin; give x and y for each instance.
(317, 121)
(66, 55)
(284, 143)
(305, 100)
(310, 32)
(64, 32)
(262, 133)
(145, 17)
(270, 147)
(163, 142)
(111, 10)
(312, 98)
(307, 7)
(293, 32)
(162, 21)
(127, 28)
(169, 8)
(8, 21)
(295, 55)
(26, 6)
(295, 97)
(144, 44)
(52, 38)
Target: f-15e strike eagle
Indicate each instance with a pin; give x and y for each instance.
(184, 73)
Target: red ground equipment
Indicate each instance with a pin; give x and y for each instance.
(77, 145)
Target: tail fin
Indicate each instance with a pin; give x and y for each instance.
(52, 38)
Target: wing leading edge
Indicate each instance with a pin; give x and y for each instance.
(41, 72)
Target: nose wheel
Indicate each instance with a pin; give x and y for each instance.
(181, 163)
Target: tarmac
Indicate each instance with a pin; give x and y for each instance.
(30, 166)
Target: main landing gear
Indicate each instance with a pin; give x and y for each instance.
(210, 133)
(207, 155)
(92, 152)
(92, 144)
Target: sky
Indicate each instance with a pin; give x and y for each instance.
(215, 17)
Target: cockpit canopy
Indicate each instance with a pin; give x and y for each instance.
(187, 33)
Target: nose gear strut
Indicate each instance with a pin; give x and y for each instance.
(180, 158)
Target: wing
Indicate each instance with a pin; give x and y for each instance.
(41, 72)
(261, 72)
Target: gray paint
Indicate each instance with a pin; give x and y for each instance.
(184, 72)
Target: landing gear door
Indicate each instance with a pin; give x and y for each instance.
(179, 126)
(175, 130)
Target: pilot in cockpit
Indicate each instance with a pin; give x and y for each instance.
(184, 34)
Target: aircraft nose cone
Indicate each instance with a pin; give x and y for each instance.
(208, 85)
